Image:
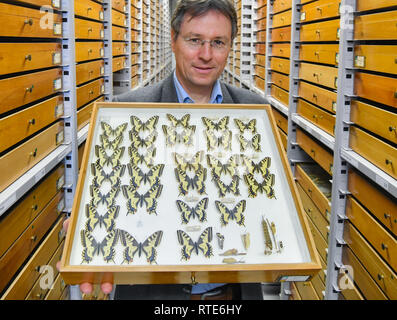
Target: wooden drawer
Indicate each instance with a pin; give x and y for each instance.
(261, 36)
(321, 9)
(306, 290)
(383, 275)
(88, 9)
(376, 26)
(89, 91)
(281, 5)
(280, 65)
(324, 98)
(280, 95)
(119, 5)
(56, 292)
(374, 119)
(281, 120)
(282, 19)
(119, 19)
(84, 114)
(55, 4)
(260, 59)
(134, 70)
(259, 83)
(284, 139)
(317, 116)
(281, 34)
(294, 292)
(119, 63)
(19, 21)
(350, 291)
(22, 124)
(281, 50)
(321, 31)
(280, 80)
(119, 34)
(261, 12)
(261, 24)
(318, 286)
(380, 205)
(134, 58)
(376, 58)
(260, 71)
(362, 279)
(319, 154)
(29, 153)
(383, 242)
(13, 259)
(316, 184)
(86, 29)
(18, 91)
(260, 48)
(25, 280)
(118, 48)
(22, 214)
(134, 81)
(376, 88)
(318, 74)
(89, 51)
(19, 57)
(326, 53)
(321, 244)
(363, 5)
(374, 150)
(89, 71)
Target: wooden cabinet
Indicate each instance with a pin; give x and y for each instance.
(282, 19)
(281, 50)
(320, 53)
(317, 116)
(89, 71)
(88, 9)
(119, 19)
(280, 94)
(86, 29)
(376, 26)
(376, 58)
(281, 34)
(281, 120)
(89, 51)
(319, 74)
(318, 96)
(321, 9)
(280, 65)
(280, 80)
(89, 92)
(321, 31)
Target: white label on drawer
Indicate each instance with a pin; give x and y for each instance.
(338, 33)
(60, 182)
(100, 15)
(56, 4)
(102, 89)
(334, 106)
(40, 175)
(58, 84)
(102, 71)
(125, 8)
(382, 182)
(8, 203)
(59, 137)
(56, 58)
(57, 29)
(59, 110)
(359, 61)
(337, 58)
(293, 278)
(102, 33)
(61, 205)
(303, 16)
(101, 52)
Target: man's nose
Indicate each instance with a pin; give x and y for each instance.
(205, 51)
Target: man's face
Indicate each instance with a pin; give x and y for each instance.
(199, 67)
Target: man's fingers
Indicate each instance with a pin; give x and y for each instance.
(65, 225)
(106, 287)
(86, 288)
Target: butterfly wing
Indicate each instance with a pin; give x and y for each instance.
(187, 244)
(184, 121)
(107, 246)
(170, 135)
(263, 166)
(215, 164)
(224, 211)
(185, 210)
(133, 199)
(256, 142)
(203, 242)
(98, 173)
(93, 217)
(131, 246)
(154, 174)
(90, 246)
(199, 210)
(108, 218)
(150, 244)
(226, 140)
(199, 180)
(150, 198)
(184, 181)
(237, 212)
(212, 141)
(136, 175)
(136, 123)
(252, 185)
(151, 123)
(96, 196)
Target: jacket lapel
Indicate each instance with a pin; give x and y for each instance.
(227, 98)
(168, 92)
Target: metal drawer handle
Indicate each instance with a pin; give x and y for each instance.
(29, 21)
(28, 57)
(33, 153)
(30, 89)
(32, 121)
(313, 151)
(33, 238)
(392, 129)
(319, 9)
(384, 246)
(388, 162)
(89, 51)
(89, 29)
(380, 277)
(35, 207)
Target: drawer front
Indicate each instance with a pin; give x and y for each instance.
(323, 157)
(380, 205)
(383, 275)
(56, 292)
(19, 57)
(282, 19)
(376, 88)
(318, 286)
(134, 70)
(281, 5)
(29, 153)
(294, 292)
(20, 125)
(12, 260)
(135, 81)
(280, 65)
(89, 51)
(350, 292)
(364, 5)
(118, 48)
(119, 19)
(18, 91)
(85, 29)
(383, 242)
(259, 83)
(89, 71)
(326, 53)
(326, 76)
(280, 95)
(376, 26)
(22, 214)
(379, 121)
(260, 71)
(134, 59)
(306, 291)
(321, 31)
(25, 280)
(281, 50)
(318, 117)
(284, 139)
(88, 9)
(376, 151)
(261, 24)
(261, 36)
(260, 59)
(25, 22)
(376, 58)
(280, 80)
(318, 96)
(320, 10)
(281, 121)
(321, 244)
(119, 34)
(55, 4)
(84, 114)
(281, 34)
(119, 5)
(260, 48)
(90, 91)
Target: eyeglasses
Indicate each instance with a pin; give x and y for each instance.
(196, 43)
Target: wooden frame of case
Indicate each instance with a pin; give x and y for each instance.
(206, 273)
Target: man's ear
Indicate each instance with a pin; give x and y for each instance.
(172, 40)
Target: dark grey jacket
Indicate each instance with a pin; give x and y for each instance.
(165, 91)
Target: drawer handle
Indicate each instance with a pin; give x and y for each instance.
(313, 151)
(384, 246)
(28, 57)
(33, 153)
(30, 89)
(392, 129)
(33, 238)
(319, 9)
(89, 51)
(29, 21)
(91, 92)
(380, 277)
(387, 161)
(90, 29)
(32, 121)
(35, 207)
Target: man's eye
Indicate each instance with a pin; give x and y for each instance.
(194, 40)
(219, 42)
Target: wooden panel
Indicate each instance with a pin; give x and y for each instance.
(321, 244)
(383, 242)
(318, 286)
(89, 51)
(281, 120)
(260, 59)
(281, 34)
(321, 9)
(326, 76)
(284, 139)
(25, 22)
(326, 53)
(317, 116)
(281, 50)
(88, 9)
(376, 151)
(89, 91)
(119, 18)
(380, 205)
(29, 153)
(260, 48)
(259, 83)
(321, 31)
(306, 291)
(280, 94)
(18, 91)
(119, 63)
(56, 4)
(376, 58)
(376, 26)
(318, 96)
(281, 5)
(294, 292)
(56, 292)
(280, 65)
(118, 48)
(22, 124)
(363, 5)
(260, 71)
(261, 24)
(89, 71)
(280, 80)
(85, 29)
(350, 291)
(119, 5)
(282, 19)
(81, 153)
(119, 34)
(84, 114)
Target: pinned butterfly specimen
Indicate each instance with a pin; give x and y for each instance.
(110, 132)
(138, 125)
(100, 175)
(211, 125)
(110, 144)
(235, 214)
(185, 136)
(107, 219)
(92, 247)
(253, 143)
(188, 212)
(146, 158)
(223, 188)
(202, 244)
(152, 176)
(107, 198)
(104, 159)
(186, 183)
(224, 141)
(266, 186)
(193, 163)
(251, 125)
(184, 121)
(136, 200)
(137, 141)
(133, 247)
(260, 167)
(218, 167)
